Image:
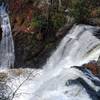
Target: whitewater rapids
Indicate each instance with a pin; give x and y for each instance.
(58, 80)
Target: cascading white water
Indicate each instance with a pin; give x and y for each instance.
(75, 47)
(6, 44)
(79, 46)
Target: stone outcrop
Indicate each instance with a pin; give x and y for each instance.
(92, 66)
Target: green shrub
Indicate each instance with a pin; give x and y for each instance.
(80, 10)
(42, 22)
(34, 23)
(38, 22)
(58, 20)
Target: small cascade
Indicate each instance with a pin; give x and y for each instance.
(6, 44)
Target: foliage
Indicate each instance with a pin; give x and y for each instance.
(42, 22)
(34, 23)
(38, 22)
(58, 20)
(79, 10)
(47, 14)
(93, 3)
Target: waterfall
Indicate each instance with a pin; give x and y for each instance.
(61, 81)
(6, 44)
(63, 77)
(75, 48)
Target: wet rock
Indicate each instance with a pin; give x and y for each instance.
(3, 76)
(92, 93)
(4, 88)
(92, 66)
(22, 48)
(98, 65)
(94, 21)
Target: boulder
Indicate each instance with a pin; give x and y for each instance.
(92, 66)
(98, 65)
